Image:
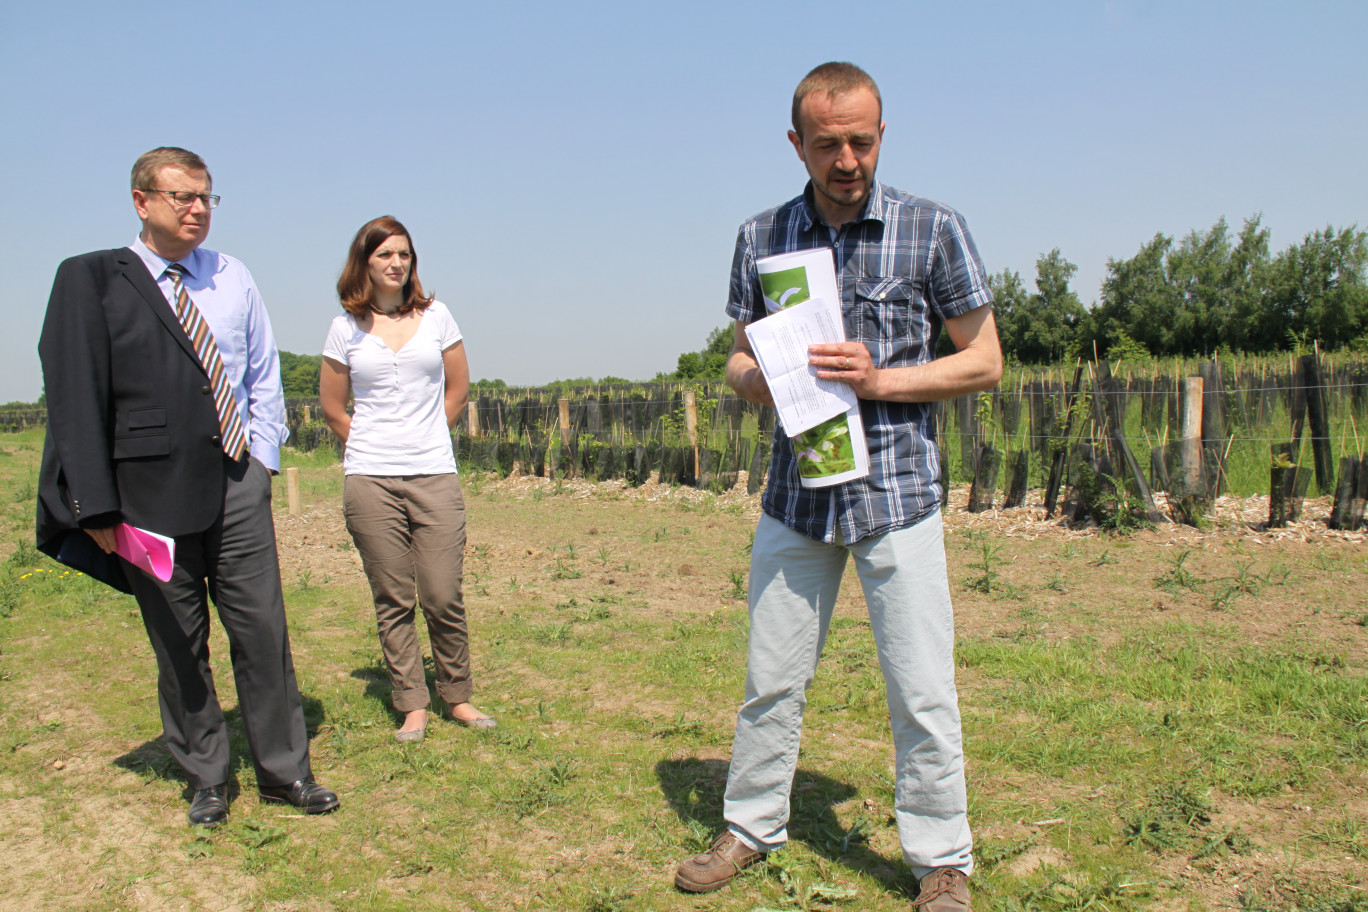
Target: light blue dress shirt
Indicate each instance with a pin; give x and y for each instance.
(223, 290)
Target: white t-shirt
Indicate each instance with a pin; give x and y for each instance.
(398, 414)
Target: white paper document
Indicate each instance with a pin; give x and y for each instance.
(791, 278)
(780, 342)
(835, 450)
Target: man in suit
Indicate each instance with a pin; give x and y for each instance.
(165, 412)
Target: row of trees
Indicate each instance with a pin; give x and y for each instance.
(1191, 297)
(1206, 292)
(708, 364)
(299, 374)
(1209, 291)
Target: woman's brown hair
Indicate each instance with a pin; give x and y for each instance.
(354, 285)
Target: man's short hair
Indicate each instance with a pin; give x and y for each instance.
(834, 78)
(149, 165)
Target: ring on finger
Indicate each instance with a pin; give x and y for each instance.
(847, 366)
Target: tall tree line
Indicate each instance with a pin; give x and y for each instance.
(1191, 297)
(1209, 291)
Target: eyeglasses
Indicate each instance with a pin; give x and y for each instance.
(185, 198)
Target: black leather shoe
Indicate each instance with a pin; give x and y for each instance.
(210, 807)
(305, 794)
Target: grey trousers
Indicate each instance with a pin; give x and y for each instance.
(793, 585)
(410, 532)
(234, 563)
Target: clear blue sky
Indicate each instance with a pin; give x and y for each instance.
(573, 173)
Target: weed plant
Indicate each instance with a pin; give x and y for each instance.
(1178, 577)
(738, 584)
(988, 577)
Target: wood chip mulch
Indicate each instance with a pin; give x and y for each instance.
(1232, 517)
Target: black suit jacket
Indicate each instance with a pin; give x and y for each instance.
(132, 433)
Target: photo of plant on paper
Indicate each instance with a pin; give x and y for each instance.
(827, 454)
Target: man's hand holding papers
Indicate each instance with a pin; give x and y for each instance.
(848, 363)
(781, 344)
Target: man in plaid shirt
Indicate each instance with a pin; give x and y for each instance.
(906, 267)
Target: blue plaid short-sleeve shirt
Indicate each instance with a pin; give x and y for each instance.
(903, 267)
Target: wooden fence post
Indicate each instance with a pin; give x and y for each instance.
(292, 489)
(691, 428)
(563, 410)
(1191, 446)
(564, 464)
(1189, 495)
(473, 418)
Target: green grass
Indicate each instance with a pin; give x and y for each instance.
(320, 475)
(1170, 701)
(1102, 763)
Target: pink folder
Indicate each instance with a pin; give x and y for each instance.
(146, 550)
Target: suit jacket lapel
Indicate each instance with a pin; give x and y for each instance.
(135, 271)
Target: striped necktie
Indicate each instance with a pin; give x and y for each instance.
(230, 422)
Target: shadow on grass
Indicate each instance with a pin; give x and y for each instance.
(152, 760)
(378, 687)
(694, 788)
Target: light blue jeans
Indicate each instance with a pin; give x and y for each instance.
(793, 586)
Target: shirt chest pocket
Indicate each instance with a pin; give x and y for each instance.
(888, 309)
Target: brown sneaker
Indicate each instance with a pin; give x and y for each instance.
(716, 867)
(944, 890)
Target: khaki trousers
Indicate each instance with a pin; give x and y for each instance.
(410, 532)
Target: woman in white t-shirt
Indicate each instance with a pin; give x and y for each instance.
(399, 356)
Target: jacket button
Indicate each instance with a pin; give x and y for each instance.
(206, 390)
(216, 440)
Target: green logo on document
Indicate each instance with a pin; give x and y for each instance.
(785, 288)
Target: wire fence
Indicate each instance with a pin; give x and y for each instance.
(1255, 415)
